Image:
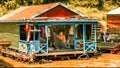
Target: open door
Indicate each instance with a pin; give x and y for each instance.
(85, 37)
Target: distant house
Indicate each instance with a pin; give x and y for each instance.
(113, 18)
(113, 23)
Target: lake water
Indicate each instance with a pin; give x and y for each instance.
(105, 60)
(3, 64)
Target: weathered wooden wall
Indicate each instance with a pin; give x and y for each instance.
(113, 21)
(113, 18)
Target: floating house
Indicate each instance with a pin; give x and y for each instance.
(36, 21)
(113, 18)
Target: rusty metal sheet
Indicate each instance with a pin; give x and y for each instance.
(113, 25)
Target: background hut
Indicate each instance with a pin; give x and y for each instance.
(113, 23)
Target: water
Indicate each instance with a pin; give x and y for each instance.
(105, 60)
(3, 64)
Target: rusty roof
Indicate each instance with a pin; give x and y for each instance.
(25, 12)
(30, 11)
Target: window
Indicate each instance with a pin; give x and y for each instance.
(79, 31)
(22, 33)
(36, 32)
(32, 36)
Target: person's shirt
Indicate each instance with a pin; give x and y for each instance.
(62, 38)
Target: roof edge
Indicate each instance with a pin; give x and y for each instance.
(114, 11)
(54, 19)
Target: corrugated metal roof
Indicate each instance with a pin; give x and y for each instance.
(115, 11)
(27, 12)
(30, 11)
(113, 25)
(12, 13)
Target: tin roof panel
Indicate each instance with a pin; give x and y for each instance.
(115, 11)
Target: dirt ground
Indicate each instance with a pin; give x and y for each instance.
(105, 60)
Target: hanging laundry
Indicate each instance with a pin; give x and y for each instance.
(26, 28)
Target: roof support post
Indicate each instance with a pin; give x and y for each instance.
(84, 38)
(46, 29)
(95, 25)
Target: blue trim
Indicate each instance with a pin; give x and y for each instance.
(84, 38)
(44, 11)
(51, 20)
(35, 15)
(46, 28)
(65, 23)
(26, 44)
(90, 46)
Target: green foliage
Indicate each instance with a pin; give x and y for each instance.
(36, 2)
(116, 2)
(90, 7)
(10, 5)
(100, 4)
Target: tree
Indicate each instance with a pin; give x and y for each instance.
(21, 2)
(37, 2)
(10, 5)
(116, 2)
(100, 4)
